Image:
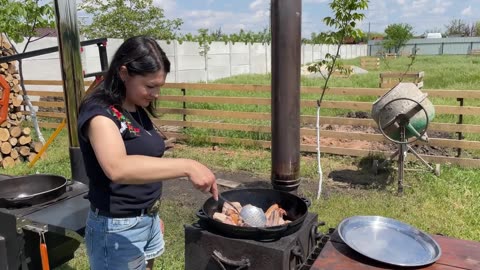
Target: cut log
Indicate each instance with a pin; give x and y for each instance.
(31, 157)
(4, 133)
(23, 140)
(5, 124)
(17, 101)
(24, 151)
(13, 141)
(16, 89)
(6, 148)
(6, 44)
(12, 69)
(14, 153)
(19, 115)
(4, 65)
(16, 132)
(9, 78)
(37, 146)
(26, 131)
(8, 162)
(18, 161)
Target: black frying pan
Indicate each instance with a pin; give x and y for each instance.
(31, 189)
(296, 208)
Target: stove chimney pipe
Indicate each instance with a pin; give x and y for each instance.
(72, 76)
(286, 47)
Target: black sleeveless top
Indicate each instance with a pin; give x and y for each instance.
(103, 193)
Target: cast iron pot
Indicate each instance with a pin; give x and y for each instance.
(296, 208)
(30, 190)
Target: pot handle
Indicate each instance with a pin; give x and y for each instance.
(226, 263)
(201, 215)
(307, 201)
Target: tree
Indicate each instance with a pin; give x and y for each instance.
(344, 24)
(457, 27)
(124, 19)
(477, 28)
(396, 36)
(19, 20)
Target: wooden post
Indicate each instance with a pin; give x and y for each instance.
(460, 121)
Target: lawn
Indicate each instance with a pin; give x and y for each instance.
(448, 204)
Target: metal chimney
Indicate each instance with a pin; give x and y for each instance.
(286, 46)
(72, 76)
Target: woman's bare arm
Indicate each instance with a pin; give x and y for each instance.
(121, 168)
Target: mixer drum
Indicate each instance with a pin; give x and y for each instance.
(395, 102)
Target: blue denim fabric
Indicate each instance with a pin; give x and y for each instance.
(122, 243)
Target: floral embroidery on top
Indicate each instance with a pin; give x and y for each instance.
(125, 123)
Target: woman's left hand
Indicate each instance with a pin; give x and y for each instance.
(162, 226)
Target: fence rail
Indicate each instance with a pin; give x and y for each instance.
(307, 121)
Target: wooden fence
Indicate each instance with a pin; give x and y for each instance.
(183, 99)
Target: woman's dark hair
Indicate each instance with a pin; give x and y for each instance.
(141, 55)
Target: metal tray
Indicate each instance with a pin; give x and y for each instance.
(389, 241)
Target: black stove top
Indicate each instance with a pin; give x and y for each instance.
(68, 211)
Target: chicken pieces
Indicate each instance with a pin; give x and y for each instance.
(230, 215)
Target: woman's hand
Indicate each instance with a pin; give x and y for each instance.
(202, 178)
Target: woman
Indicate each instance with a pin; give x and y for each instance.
(122, 155)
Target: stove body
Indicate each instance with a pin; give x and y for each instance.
(206, 249)
(61, 221)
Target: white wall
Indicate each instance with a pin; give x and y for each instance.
(224, 60)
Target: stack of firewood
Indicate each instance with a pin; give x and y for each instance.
(16, 145)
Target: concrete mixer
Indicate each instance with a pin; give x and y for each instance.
(402, 115)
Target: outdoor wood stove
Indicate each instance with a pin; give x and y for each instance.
(207, 249)
(60, 220)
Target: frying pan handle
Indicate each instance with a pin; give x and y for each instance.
(307, 201)
(201, 215)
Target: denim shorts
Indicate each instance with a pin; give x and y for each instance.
(122, 243)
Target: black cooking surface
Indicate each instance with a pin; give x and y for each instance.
(68, 211)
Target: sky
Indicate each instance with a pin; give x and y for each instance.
(232, 15)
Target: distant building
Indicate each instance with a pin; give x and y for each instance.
(433, 35)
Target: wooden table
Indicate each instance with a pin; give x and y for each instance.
(456, 254)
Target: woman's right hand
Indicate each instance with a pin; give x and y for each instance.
(202, 178)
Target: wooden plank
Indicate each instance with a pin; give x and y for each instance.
(47, 104)
(398, 75)
(48, 125)
(465, 110)
(222, 87)
(51, 82)
(42, 93)
(217, 113)
(46, 114)
(222, 100)
(464, 162)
